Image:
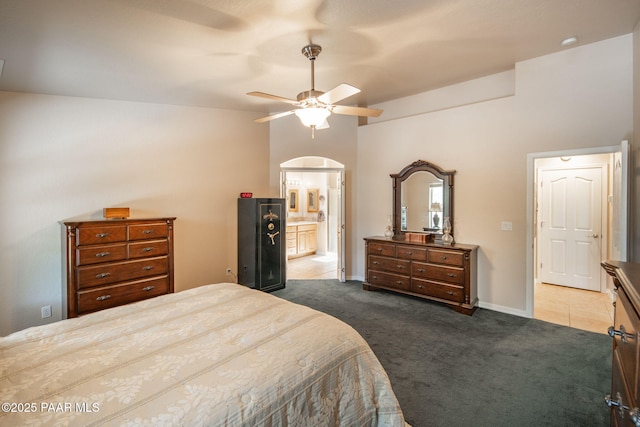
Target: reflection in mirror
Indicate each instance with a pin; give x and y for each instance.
(422, 198)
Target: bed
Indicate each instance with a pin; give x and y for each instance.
(220, 354)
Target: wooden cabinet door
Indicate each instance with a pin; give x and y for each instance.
(312, 238)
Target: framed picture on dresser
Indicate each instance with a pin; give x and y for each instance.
(312, 200)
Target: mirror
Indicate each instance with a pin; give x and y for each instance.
(422, 198)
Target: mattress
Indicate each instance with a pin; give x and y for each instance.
(221, 355)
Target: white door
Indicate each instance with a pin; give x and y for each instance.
(571, 227)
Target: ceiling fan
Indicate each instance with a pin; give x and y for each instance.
(314, 106)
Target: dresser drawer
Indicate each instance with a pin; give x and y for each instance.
(438, 290)
(627, 345)
(382, 249)
(409, 252)
(445, 257)
(148, 248)
(620, 393)
(122, 293)
(103, 274)
(389, 264)
(101, 234)
(148, 231)
(438, 273)
(389, 280)
(96, 254)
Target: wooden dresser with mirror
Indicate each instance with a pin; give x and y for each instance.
(415, 261)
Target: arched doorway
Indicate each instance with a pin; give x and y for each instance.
(314, 189)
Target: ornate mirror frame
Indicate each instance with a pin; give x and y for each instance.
(421, 166)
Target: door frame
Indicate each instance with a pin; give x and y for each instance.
(531, 207)
(325, 165)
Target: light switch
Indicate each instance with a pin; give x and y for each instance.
(506, 226)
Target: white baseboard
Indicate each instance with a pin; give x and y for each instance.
(503, 309)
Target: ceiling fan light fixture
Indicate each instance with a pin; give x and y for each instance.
(314, 106)
(313, 116)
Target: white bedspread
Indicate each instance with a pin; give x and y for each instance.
(220, 355)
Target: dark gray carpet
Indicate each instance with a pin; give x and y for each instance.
(489, 369)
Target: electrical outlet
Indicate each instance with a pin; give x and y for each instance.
(45, 311)
(229, 272)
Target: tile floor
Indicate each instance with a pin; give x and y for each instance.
(587, 310)
(313, 267)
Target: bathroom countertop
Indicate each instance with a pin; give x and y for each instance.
(301, 222)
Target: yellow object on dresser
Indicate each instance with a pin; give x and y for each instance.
(116, 262)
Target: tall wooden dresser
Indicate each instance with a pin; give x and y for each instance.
(624, 399)
(427, 270)
(117, 261)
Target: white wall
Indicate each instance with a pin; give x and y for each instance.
(63, 157)
(577, 98)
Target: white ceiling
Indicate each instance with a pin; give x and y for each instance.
(212, 52)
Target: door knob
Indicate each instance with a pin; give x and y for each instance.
(595, 236)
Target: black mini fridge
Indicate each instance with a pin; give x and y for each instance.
(262, 243)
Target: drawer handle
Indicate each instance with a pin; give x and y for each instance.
(102, 275)
(103, 254)
(450, 293)
(375, 263)
(399, 266)
(633, 413)
(147, 267)
(451, 275)
(444, 258)
(421, 270)
(148, 249)
(622, 333)
(102, 235)
(635, 416)
(409, 253)
(148, 231)
(103, 297)
(148, 288)
(399, 282)
(420, 287)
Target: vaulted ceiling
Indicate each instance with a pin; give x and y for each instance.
(212, 52)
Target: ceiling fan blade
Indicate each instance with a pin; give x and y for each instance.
(356, 111)
(273, 116)
(338, 93)
(274, 97)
